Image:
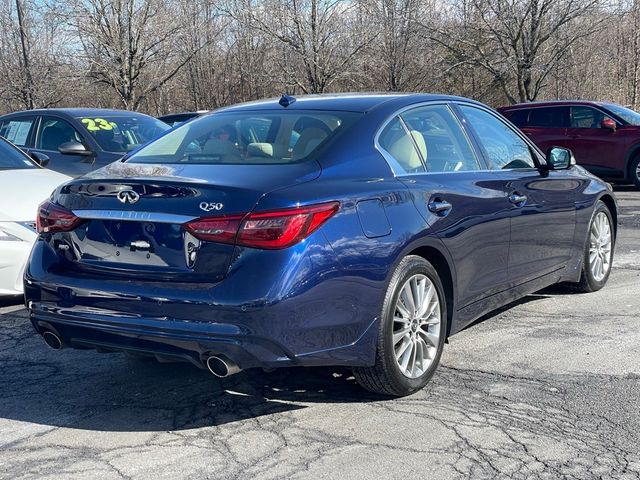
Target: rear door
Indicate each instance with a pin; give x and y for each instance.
(547, 126)
(460, 200)
(542, 207)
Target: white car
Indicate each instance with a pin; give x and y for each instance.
(23, 186)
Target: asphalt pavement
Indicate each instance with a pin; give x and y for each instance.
(548, 387)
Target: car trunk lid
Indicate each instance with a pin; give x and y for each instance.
(134, 215)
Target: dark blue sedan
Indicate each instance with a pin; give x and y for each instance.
(354, 230)
(79, 140)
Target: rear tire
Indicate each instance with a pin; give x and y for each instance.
(412, 331)
(597, 251)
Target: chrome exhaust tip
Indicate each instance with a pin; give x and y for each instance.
(52, 340)
(221, 367)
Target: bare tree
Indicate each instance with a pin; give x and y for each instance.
(317, 35)
(132, 46)
(518, 42)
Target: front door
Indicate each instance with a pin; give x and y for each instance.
(52, 133)
(600, 150)
(542, 205)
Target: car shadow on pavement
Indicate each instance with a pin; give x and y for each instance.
(115, 392)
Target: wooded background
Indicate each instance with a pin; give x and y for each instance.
(162, 56)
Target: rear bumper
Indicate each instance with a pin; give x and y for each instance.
(190, 341)
(310, 317)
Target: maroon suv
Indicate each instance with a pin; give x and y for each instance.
(604, 137)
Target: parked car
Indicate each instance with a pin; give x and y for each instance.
(23, 185)
(604, 137)
(393, 222)
(175, 119)
(78, 140)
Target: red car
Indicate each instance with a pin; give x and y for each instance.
(604, 137)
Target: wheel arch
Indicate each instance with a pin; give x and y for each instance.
(632, 153)
(613, 209)
(439, 261)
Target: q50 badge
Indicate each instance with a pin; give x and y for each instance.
(211, 206)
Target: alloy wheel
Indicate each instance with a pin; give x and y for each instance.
(416, 326)
(600, 242)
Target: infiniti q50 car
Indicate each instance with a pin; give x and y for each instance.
(354, 230)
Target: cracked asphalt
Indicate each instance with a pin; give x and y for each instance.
(548, 387)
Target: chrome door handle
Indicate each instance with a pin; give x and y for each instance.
(439, 207)
(517, 199)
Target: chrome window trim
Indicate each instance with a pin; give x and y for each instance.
(398, 171)
(132, 216)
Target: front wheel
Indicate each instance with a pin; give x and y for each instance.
(598, 252)
(412, 331)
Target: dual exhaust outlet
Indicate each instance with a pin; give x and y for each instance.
(218, 365)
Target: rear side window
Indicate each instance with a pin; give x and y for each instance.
(266, 137)
(17, 131)
(442, 142)
(518, 117)
(398, 143)
(549, 117)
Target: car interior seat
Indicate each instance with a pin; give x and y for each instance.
(225, 149)
(404, 151)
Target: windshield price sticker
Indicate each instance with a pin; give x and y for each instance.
(95, 124)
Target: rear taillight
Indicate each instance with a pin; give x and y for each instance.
(269, 230)
(54, 218)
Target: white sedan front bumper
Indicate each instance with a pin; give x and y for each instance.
(16, 240)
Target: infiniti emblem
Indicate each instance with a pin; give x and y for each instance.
(128, 196)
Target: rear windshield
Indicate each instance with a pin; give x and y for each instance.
(122, 134)
(263, 137)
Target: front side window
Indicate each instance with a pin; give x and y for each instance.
(122, 134)
(403, 147)
(502, 146)
(548, 117)
(266, 137)
(444, 145)
(17, 130)
(586, 117)
(54, 132)
(12, 159)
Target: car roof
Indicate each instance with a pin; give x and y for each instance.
(553, 103)
(77, 112)
(348, 102)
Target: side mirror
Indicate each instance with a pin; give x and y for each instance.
(40, 158)
(559, 158)
(73, 148)
(608, 123)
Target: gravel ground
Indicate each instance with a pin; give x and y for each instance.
(546, 388)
